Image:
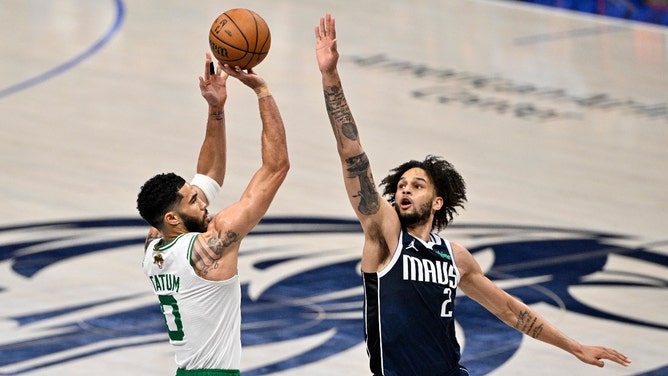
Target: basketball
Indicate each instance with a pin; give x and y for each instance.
(240, 37)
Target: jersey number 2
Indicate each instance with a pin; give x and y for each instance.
(170, 310)
(446, 308)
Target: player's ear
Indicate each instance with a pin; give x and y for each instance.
(437, 203)
(171, 218)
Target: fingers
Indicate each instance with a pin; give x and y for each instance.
(207, 65)
(237, 71)
(321, 31)
(331, 26)
(234, 72)
(327, 28)
(612, 355)
(617, 357)
(211, 74)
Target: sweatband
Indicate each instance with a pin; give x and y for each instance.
(209, 186)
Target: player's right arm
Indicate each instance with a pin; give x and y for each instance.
(215, 252)
(377, 217)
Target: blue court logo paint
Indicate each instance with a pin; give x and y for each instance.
(300, 280)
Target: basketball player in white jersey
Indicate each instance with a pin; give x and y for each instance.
(410, 274)
(191, 258)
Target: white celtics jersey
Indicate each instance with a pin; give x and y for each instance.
(203, 317)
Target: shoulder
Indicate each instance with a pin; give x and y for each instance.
(466, 263)
(153, 234)
(459, 249)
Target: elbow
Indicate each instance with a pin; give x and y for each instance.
(279, 168)
(283, 162)
(276, 164)
(283, 168)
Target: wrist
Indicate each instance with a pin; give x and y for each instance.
(262, 91)
(330, 72)
(216, 112)
(216, 107)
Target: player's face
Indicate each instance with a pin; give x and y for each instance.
(192, 210)
(414, 198)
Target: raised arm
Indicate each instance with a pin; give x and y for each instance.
(378, 219)
(215, 254)
(212, 158)
(520, 316)
(354, 161)
(262, 188)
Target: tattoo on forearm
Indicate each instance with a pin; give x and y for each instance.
(526, 323)
(344, 126)
(206, 255)
(358, 166)
(339, 114)
(218, 115)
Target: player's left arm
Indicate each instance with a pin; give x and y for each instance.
(518, 315)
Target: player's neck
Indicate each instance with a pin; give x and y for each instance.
(421, 232)
(171, 234)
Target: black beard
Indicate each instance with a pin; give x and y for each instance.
(193, 224)
(417, 217)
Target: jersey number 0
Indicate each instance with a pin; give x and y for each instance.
(170, 310)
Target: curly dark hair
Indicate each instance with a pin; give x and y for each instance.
(448, 183)
(157, 196)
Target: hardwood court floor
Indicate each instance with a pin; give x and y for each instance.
(558, 122)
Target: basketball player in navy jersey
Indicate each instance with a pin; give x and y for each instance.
(190, 258)
(410, 274)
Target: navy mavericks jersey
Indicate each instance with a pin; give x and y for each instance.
(408, 310)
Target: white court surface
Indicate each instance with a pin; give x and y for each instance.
(558, 122)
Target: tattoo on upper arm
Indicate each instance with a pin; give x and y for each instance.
(358, 166)
(205, 256)
(526, 323)
(339, 114)
(151, 237)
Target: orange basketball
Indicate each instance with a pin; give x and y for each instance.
(240, 37)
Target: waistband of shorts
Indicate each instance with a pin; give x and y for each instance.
(207, 372)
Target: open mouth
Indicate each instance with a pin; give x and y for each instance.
(405, 203)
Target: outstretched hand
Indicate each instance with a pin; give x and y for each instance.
(325, 49)
(213, 85)
(594, 355)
